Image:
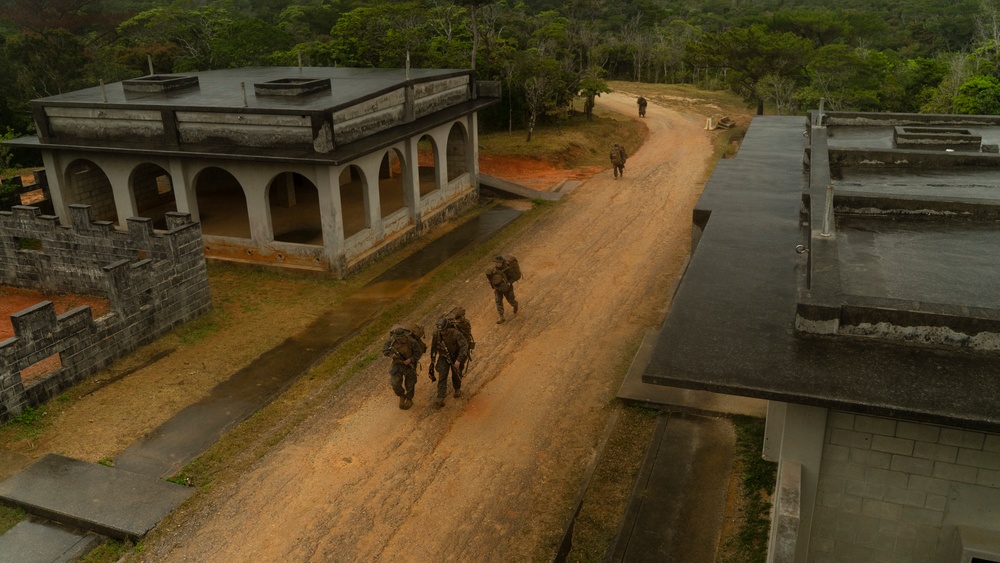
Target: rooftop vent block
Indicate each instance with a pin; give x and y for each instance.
(291, 86)
(159, 83)
(936, 138)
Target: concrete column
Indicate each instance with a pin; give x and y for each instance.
(54, 174)
(802, 443)
(258, 208)
(411, 179)
(441, 156)
(773, 429)
(125, 205)
(373, 205)
(474, 142)
(331, 215)
(184, 195)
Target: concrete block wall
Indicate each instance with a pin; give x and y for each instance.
(893, 490)
(154, 282)
(94, 189)
(144, 186)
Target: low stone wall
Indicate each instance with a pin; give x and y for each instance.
(154, 282)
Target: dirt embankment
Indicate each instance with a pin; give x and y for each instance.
(491, 476)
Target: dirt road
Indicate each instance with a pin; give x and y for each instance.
(492, 475)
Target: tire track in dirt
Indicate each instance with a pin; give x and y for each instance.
(491, 476)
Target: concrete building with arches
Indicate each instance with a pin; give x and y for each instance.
(306, 167)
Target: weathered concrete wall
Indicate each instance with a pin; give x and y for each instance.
(896, 490)
(104, 123)
(154, 283)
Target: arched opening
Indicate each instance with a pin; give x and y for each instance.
(294, 205)
(457, 152)
(352, 201)
(390, 183)
(154, 193)
(222, 205)
(88, 185)
(427, 164)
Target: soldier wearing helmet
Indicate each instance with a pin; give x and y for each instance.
(449, 350)
(503, 288)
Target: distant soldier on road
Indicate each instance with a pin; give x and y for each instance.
(449, 350)
(641, 102)
(618, 157)
(502, 283)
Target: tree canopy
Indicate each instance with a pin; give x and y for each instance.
(877, 55)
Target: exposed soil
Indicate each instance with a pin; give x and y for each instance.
(492, 475)
(14, 300)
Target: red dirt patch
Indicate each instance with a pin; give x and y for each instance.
(14, 300)
(532, 172)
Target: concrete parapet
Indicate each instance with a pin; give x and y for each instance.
(787, 513)
(154, 283)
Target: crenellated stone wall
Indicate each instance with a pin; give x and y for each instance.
(154, 282)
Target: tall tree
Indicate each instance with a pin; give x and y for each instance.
(748, 54)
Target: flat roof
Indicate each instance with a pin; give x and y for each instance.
(220, 89)
(731, 326)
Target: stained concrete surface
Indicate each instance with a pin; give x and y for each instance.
(634, 391)
(89, 496)
(731, 328)
(925, 260)
(676, 510)
(37, 542)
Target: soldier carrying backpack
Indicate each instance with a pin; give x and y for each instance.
(502, 275)
(450, 349)
(405, 346)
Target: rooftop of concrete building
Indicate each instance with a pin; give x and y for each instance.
(222, 89)
(890, 308)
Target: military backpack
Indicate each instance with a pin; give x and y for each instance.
(512, 269)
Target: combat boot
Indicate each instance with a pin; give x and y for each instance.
(402, 402)
(406, 404)
(439, 403)
(515, 308)
(458, 393)
(500, 320)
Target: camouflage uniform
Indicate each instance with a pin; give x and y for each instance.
(465, 327)
(618, 157)
(641, 102)
(405, 353)
(502, 289)
(451, 349)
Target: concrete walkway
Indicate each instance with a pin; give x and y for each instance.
(677, 507)
(70, 500)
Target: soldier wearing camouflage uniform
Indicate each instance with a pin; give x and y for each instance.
(450, 349)
(503, 288)
(459, 321)
(405, 352)
(618, 157)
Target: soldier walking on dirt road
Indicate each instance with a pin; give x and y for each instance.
(502, 284)
(449, 350)
(618, 157)
(405, 346)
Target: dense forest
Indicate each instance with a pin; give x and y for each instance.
(869, 55)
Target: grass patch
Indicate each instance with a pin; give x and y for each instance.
(110, 551)
(9, 517)
(569, 143)
(757, 479)
(29, 424)
(611, 486)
